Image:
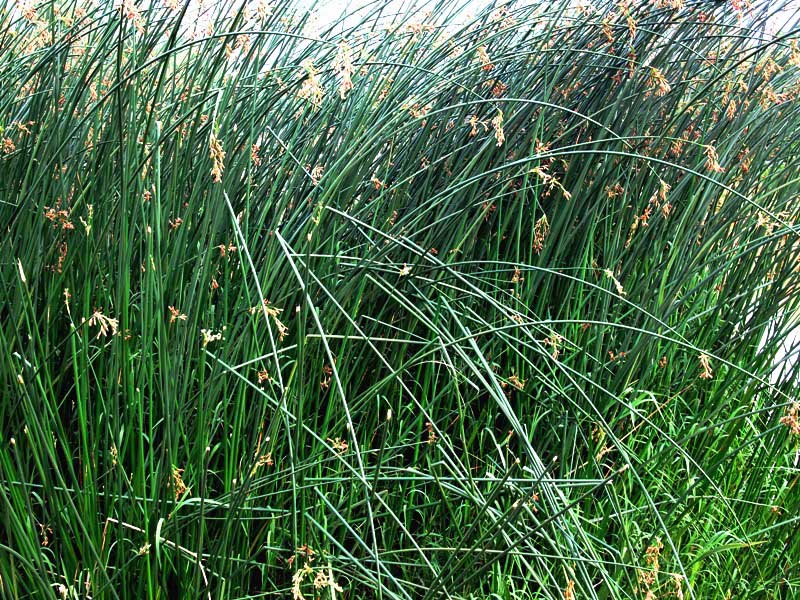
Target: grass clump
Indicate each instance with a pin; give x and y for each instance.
(405, 306)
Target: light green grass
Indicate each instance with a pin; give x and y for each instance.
(443, 349)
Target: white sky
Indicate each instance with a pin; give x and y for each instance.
(329, 10)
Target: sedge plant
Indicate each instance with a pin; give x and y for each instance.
(417, 304)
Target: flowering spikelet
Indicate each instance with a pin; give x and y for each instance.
(497, 124)
(175, 315)
(106, 324)
(674, 4)
(338, 444)
(550, 182)
(209, 336)
(730, 111)
(608, 31)
(791, 418)
(316, 174)
(610, 274)
(483, 56)
(272, 312)
(58, 216)
(473, 122)
(178, 486)
(657, 82)
(327, 373)
(768, 68)
(28, 11)
(569, 591)
(343, 65)
(651, 558)
(263, 9)
(326, 580)
(516, 382)
(311, 88)
(614, 191)
(794, 57)
(540, 231)
(419, 112)
(8, 145)
(705, 367)
(254, 157)
(554, 341)
(631, 22)
(263, 377)
(217, 157)
(770, 97)
(419, 28)
(677, 580)
(498, 87)
(712, 159)
(663, 190)
(297, 581)
(128, 8)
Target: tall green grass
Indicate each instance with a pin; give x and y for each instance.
(406, 306)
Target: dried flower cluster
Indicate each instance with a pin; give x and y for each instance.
(343, 66)
(541, 229)
(569, 591)
(338, 444)
(649, 576)
(617, 285)
(105, 324)
(175, 315)
(131, 12)
(712, 159)
(254, 157)
(705, 367)
(483, 56)
(322, 578)
(217, 158)
(208, 336)
(791, 419)
(550, 182)
(497, 125)
(179, 488)
(657, 82)
(311, 87)
(262, 461)
(268, 310)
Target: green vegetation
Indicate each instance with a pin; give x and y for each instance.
(413, 306)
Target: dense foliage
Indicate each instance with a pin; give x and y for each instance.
(405, 306)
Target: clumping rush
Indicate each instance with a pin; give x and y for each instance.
(480, 300)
